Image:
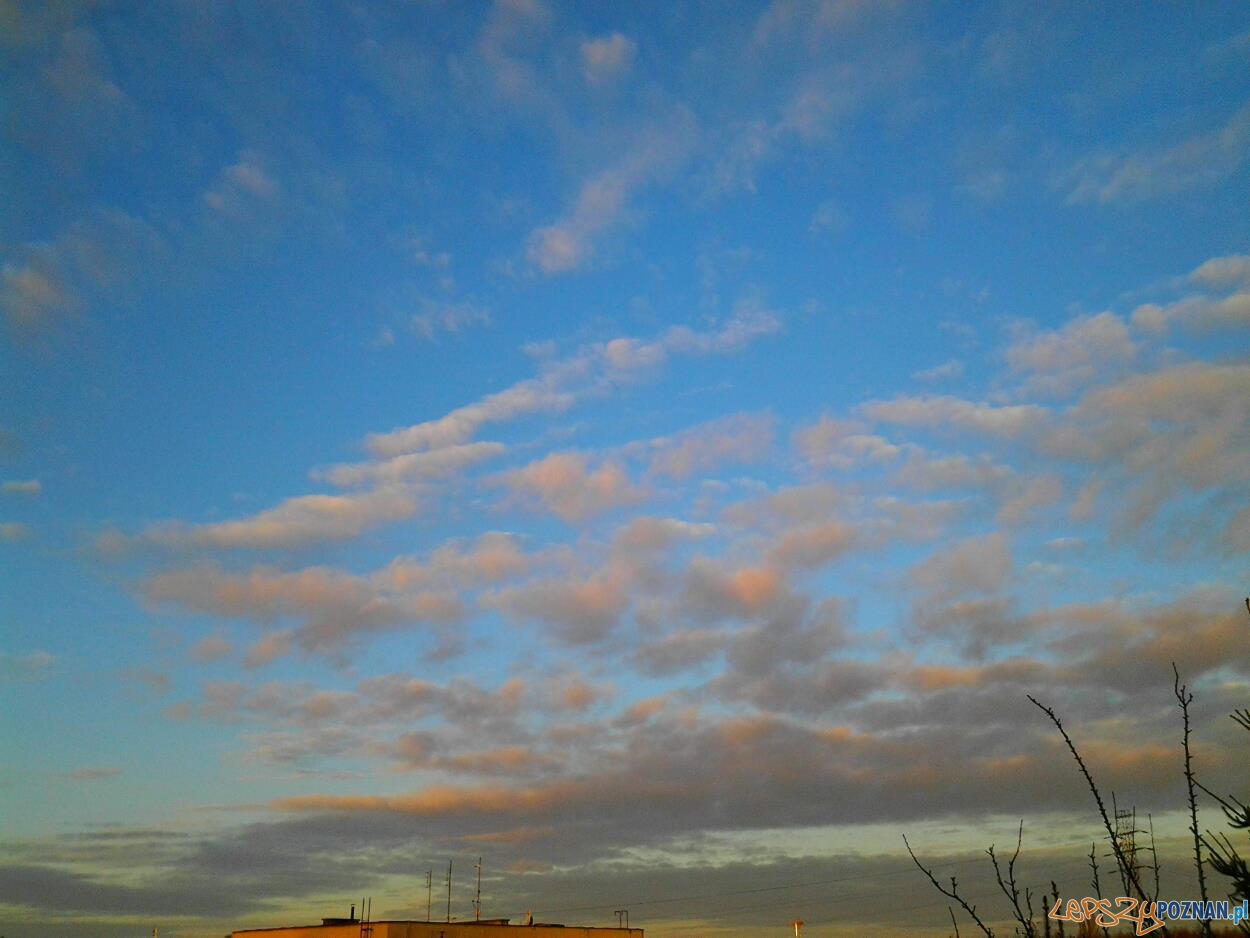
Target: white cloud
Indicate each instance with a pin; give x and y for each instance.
(1223, 272)
(975, 565)
(947, 371)
(1201, 160)
(1084, 348)
(44, 284)
(447, 319)
(32, 666)
(307, 519)
(412, 467)
(606, 58)
(952, 413)
(602, 200)
(240, 185)
(560, 383)
(744, 438)
(12, 531)
(565, 485)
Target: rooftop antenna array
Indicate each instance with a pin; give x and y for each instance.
(448, 890)
(429, 892)
(619, 913)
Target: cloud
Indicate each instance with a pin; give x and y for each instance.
(568, 244)
(580, 612)
(979, 564)
(491, 558)
(606, 58)
(44, 284)
(1060, 361)
(977, 626)
(813, 546)
(13, 531)
(333, 607)
(330, 608)
(563, 484)
(307, 519)
(21, 487)
(241, 185)
(947, 371)
(1159, 434)
(211, 648)
(591, 370)
(938, 413)
(654, 534)
(423, 466)
(929, 472)
(829, 217)
(94, 774)
(811, 109)
(1223, 272)
(35, 295)
(79, 71)
(1200, 312)
(687, 648)
(743, 438)
(839, 444)
(713, 591)
(29, 667)
(1201, 160)
(447, 319)
(268, 648)
(1024, 497)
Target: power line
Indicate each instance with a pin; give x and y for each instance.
(774, 888)
(932, 901)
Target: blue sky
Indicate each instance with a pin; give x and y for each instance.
(656, 448)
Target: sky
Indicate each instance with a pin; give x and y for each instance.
(655, 448)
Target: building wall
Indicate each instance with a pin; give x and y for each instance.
(439, 930)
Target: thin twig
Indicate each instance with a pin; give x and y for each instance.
(1009, 888)
(1093, 865)
(952, 893)
(1102, 808)
(1185, 698)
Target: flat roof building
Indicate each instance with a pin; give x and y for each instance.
(487, 928)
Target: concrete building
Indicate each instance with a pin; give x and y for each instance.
(487, 928)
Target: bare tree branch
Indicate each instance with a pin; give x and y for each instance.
(1184, 698)
(1009, 887)
(1129, 872)
(952, 893)
(1094, 884)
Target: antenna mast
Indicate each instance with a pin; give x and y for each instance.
(449, 890)
(477, 900)
(429, 892)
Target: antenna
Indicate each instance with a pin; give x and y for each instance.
(449, 890)
(477, 900)
(429, 892)
(621, 912)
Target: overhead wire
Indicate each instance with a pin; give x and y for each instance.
(622, 903)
